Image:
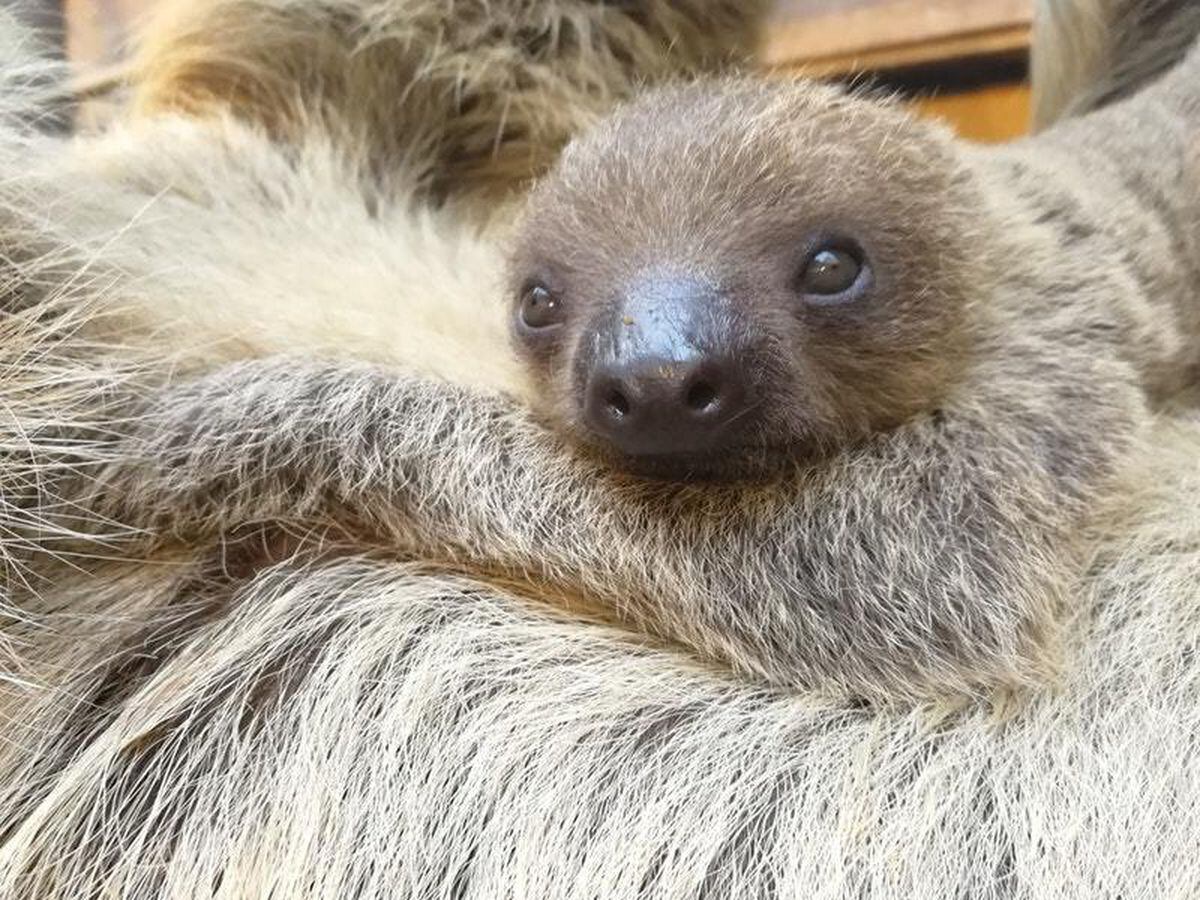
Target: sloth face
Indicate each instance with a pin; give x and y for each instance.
(731, 276)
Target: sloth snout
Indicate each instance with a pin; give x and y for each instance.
(670, 381)
(654, 407)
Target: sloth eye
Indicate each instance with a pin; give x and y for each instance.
(540, 308)
(830, 272)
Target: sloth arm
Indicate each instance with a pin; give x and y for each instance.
(929, 561)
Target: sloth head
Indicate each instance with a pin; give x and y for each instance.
(730, 276)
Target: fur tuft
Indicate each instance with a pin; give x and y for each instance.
(61, 391)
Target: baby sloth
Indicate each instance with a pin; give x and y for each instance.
(727, 276)
(959, 344)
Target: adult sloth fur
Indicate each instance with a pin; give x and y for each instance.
(270, 714)
(62, 391)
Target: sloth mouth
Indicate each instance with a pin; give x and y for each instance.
(749, 463)
(756, 459)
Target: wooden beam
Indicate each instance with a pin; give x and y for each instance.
(883, 59)
(887, 34)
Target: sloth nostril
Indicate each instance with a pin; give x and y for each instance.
(617, 404)
(701, 397)
(651, 406)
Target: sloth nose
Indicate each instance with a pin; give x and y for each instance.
(656, 406)
(668, 371)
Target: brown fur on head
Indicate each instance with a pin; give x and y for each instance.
(693, 214)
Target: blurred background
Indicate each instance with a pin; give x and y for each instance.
(964, 61)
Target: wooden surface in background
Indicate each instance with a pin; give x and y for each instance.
(995, 113)
(835, 37)
(838, 38)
